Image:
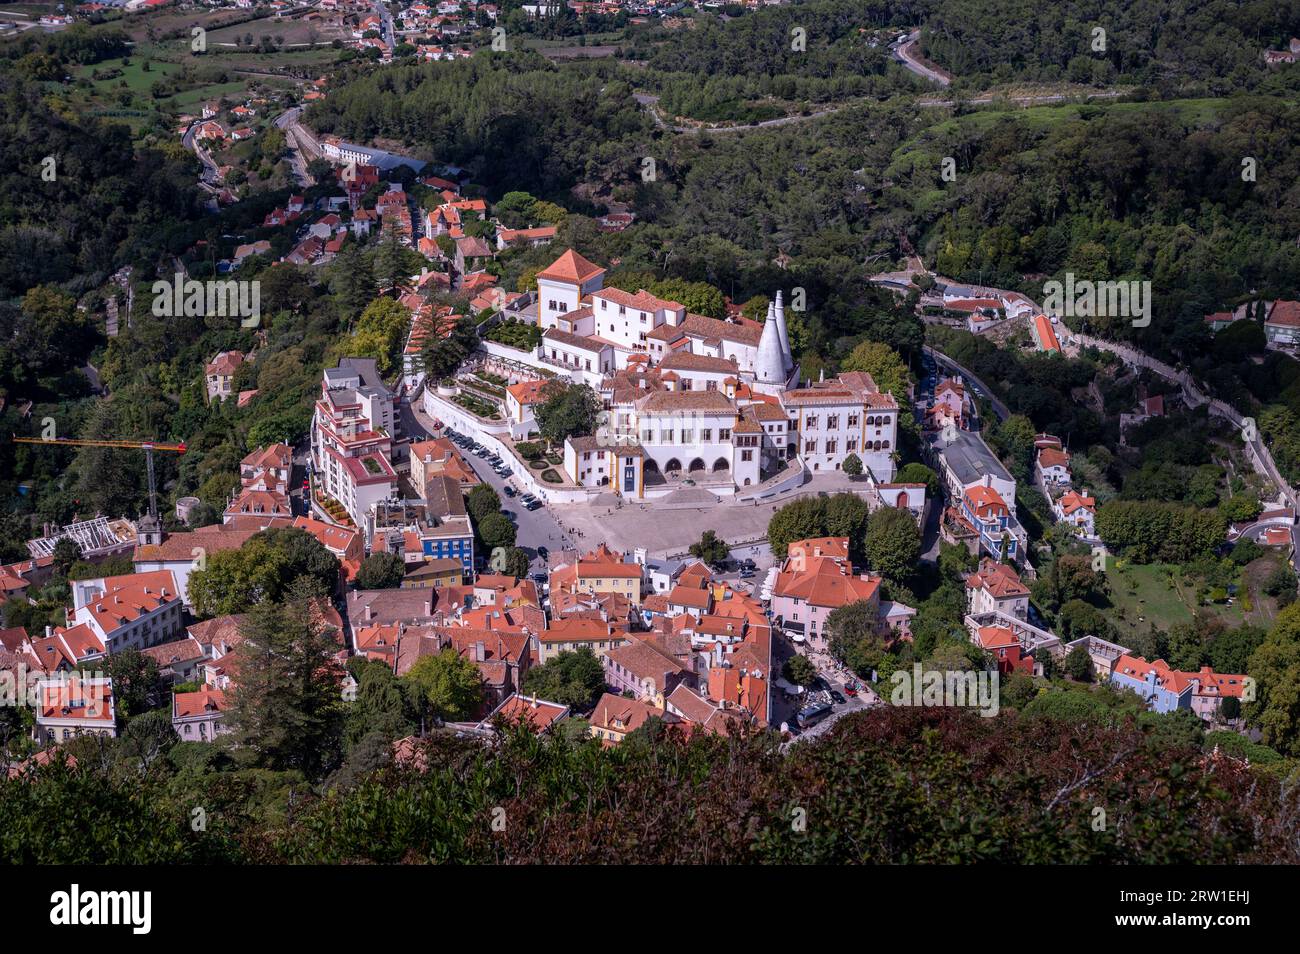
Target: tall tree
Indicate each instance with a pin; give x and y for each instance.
(287, 712)
(568, 410)
(893, 543)
(446, 686)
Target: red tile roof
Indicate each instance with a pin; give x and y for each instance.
(571, 267)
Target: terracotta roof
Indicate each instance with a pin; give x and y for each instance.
(824, 582)
(227, 362)
(996, 637)
(1284, 313)
(743, 331)
(126, 598)
(279, 456)
(833, 547)
(542, 232)
(645, 661)
(529, 392)
(539, 713)
(708, 401)
(823, 395)
(1136, 667)
(692, 707)
(623, 715)
(763, 411)
(1072, 500)
(1051, 457)
(569, 629)
(642, 300)
(1046, 334)
(470, 247)
(186, 704)
(178, 650)
(571, 267)
(690, 596)
(1211, 683)
(983, 499)
(689, 361)
(582, 342)
(999, 579)
(75, 697)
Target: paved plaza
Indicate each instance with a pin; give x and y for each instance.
(668, 529)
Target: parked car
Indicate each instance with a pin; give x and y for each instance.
(533, 505)
(543, 552)
(509, 491)
(838, 697)
(851, 689)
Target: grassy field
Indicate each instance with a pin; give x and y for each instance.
(139, 75)
(1155, 596)
(301, 30)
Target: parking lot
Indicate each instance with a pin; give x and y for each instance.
(536, 528)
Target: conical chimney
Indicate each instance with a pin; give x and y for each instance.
(786, 354)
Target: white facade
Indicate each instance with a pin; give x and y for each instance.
(828, 423)
(129, 612)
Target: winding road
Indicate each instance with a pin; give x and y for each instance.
(999, 408)
(902, 52)
(651, 104)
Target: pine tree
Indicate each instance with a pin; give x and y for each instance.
(288, 710)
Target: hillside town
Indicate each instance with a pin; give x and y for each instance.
(647, 431)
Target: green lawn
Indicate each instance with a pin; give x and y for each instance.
(136, 77)
(1155, 596)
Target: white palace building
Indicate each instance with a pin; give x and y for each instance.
(687, 397)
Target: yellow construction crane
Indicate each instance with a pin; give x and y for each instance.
(147, 446)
